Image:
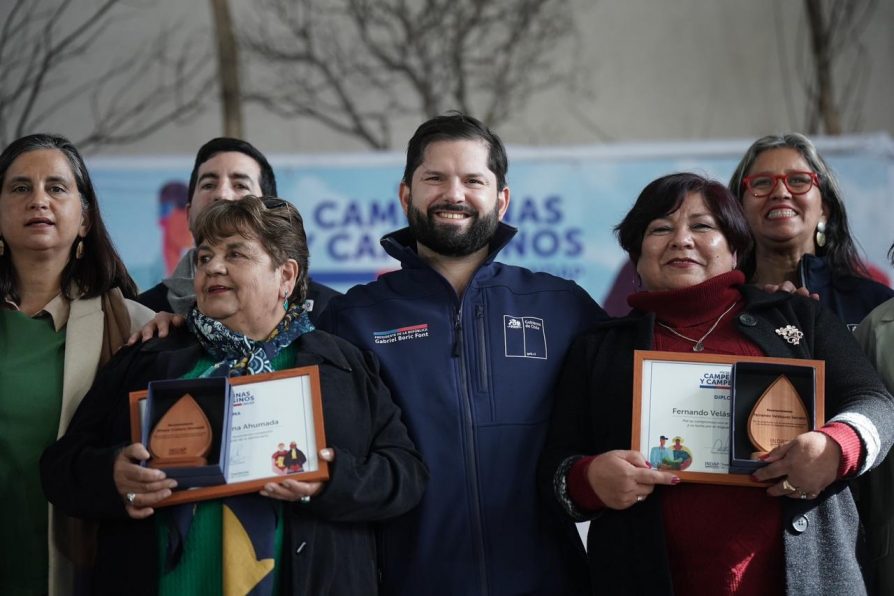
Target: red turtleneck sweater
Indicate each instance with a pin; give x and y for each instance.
(720, 539)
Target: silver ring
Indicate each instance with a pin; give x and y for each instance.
(131, 497)
(305, 499)
(640, 498)
(786, 485)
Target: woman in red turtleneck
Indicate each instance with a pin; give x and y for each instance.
(649, 534)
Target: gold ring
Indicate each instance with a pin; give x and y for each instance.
(786, 485)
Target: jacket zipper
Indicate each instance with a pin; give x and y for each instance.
(470, 450)
(458, 333)
(482, 347)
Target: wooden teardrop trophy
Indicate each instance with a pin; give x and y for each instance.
(182, 437)
(778, 417)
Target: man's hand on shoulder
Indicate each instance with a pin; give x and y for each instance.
(161, 326)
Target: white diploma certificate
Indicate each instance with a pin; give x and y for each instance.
(685, 415)
(272, 429)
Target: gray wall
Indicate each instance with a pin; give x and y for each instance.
(648, 69)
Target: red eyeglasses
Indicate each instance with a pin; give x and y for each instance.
(797, 183)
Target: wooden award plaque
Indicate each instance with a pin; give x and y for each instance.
(778, 417)
(182, 437)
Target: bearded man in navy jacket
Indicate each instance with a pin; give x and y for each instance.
(471, 349)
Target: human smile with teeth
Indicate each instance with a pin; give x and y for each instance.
(781, 213)
(684, 248)
(782, 219)
(453, 203)
(451, 215)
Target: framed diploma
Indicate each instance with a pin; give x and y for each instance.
(222, 437)
(696, 414)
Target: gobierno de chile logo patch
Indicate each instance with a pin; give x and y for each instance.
(524, 337)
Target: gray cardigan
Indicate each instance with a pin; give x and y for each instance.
(593, 414)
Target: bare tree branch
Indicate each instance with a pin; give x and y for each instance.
(835, 28)
(357, 66)
(145, 89)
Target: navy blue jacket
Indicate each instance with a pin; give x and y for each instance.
(850, 297)
(473, 377)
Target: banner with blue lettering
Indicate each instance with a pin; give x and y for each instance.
(564, 201)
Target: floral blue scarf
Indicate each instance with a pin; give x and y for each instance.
(237, 355)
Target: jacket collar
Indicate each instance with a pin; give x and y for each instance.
(815, 274)
(401, 245)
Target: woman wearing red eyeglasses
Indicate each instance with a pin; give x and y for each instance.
(794, 208)
(796, 213)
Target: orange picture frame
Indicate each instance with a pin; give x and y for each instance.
(644, 404)
(321, 473)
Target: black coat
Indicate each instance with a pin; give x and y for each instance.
(329, 545)
(593, 413)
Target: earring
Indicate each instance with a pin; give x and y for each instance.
(821, 234)
(2, 247)
(79, 251)
(285, 301)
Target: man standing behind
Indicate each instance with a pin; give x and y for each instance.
(470, 349)
(226, 169)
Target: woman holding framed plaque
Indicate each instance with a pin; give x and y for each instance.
(651, 534)
(65, 311)
(294, 537)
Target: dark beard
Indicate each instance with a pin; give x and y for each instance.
(444, 239)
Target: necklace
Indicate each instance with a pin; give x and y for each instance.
(700, 342)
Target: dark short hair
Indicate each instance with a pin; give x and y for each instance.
(665, 195)
(224, 145)
(456, 126)
(272, 221)
(840, 251)
(101, 268)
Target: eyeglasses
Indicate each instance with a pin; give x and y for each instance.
(797, 183)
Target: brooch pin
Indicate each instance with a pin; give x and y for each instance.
(791, 334)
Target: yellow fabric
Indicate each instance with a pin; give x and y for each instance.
(241, 569)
